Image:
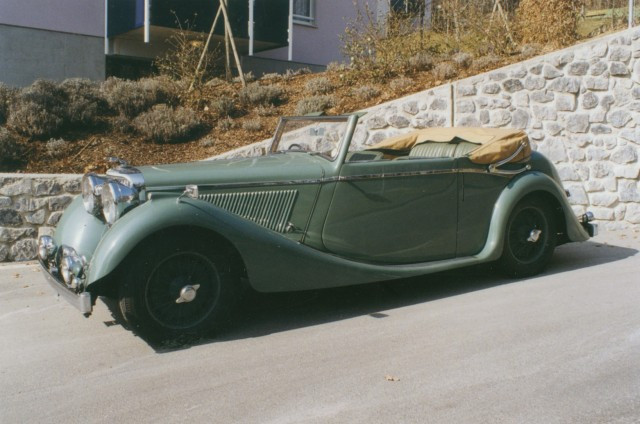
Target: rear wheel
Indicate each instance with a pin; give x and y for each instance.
(180, 287)
(530, 238)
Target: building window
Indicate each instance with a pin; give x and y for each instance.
(304, 11)
(409, 7)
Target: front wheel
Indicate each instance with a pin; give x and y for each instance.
(529, 239)
(177, 288)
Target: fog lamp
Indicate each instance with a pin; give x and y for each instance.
(72, 268)
(46, 248)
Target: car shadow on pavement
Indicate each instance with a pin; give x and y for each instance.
(261, 314)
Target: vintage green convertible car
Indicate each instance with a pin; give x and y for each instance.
(174, 243)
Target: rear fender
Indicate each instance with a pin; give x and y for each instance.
(516, 190)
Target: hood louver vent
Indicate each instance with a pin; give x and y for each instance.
(270, 209)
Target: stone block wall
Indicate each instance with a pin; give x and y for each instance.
(30, 206)
(580, 107)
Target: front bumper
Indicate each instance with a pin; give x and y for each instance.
(82, 301)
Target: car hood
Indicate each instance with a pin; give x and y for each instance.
(271, 168)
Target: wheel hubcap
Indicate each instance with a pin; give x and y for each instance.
(188, 293)
(527, 235)
(534, 235)
(182, 290)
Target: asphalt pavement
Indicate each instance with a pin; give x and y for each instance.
(460, 347)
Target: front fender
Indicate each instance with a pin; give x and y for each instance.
(515, 191)
(151, 217)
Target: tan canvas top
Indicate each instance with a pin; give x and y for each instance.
(495, 144)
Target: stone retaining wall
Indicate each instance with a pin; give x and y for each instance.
(31, 205)
(580, 106)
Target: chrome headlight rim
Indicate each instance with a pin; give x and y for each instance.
(117, 198)
(91, 192)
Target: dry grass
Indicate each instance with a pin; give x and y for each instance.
(552, 22)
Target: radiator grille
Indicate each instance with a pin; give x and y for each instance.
(270, 209)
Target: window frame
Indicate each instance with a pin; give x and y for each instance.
(306, 20)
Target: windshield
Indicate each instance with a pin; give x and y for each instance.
(318, 135)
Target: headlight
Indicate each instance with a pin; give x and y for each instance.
(116, 200)
(91, 190)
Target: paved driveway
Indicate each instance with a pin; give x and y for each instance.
(461, 347)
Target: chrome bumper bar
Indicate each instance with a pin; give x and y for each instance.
(591, 229)
(82, 301)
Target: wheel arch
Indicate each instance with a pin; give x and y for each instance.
(137, 229)
(531, 184)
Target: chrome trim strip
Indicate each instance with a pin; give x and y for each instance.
(334, 179)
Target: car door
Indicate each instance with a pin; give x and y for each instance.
(479, 192)
(394, 211)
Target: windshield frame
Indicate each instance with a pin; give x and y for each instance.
(342, 145)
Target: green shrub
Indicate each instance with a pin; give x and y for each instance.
(181, 58)
(256, 94)
(252, 125)
(530, 50)
(122, 124)
(248, 77)
(226, 124)
(336, 67)
(365, 92)
(484, 62)
(163, 124)
(57, 148)
(130, 98)
(422, 61)
(223, 106)
(463, 60)
(85, 102)
(319, 85)
(39, 111)
(208, 142)
(380, 49)
(444, 71)
(272, 76)
(314, 104)
(269, 110)
(401, 83)
(6, 97)
(11, 150)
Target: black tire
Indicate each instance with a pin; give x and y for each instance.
(171, 288)
(527, 252)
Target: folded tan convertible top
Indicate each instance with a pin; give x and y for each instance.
(495, 144)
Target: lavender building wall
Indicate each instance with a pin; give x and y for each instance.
(320, 43)
(51, 39)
